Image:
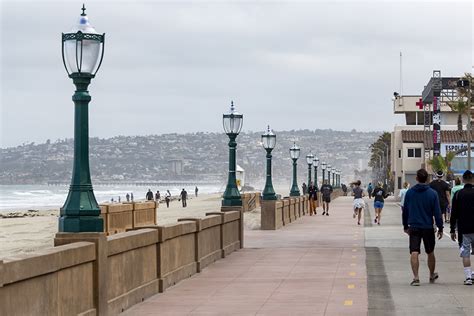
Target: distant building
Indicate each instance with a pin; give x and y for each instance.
(412, 141)
(176, 167)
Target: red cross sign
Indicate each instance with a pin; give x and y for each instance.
(420, 104)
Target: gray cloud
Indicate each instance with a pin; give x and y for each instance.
(175, 66)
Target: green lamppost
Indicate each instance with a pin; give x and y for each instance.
(82, 53)
(333, 177)
(329, 174)
(294, 154)
(232, 125)
(323, 168)
(309, 161)
(268, 143)
(316, 165)
(338, 178)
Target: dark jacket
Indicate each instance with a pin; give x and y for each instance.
(421, 205)
(462, 212)
(312, 192)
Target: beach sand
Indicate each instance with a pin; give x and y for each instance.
(27, 234)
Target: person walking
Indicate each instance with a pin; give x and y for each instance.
(305, 188)
(196, 190)
(379, 195)
(326, 190)
(370, 188)
(344, 189)
(313, 197)
(443, 189)
(402, 194)
(184, 196)
(131, 196)
(457, 186)
(127, 197)
(420, 207)
(167, 198)
(149, 195)
(462, 214)
(157, 196)
(359, 202)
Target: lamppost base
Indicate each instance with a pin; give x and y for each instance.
(270, 197)
(78, 224)
(295, 194)
(232, 202)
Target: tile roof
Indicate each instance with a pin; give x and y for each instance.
(427, 140)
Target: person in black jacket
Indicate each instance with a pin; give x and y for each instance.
(313, 197)
(462, 214)
(379, 195)
(149, 195)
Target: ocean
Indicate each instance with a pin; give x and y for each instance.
(44, 197)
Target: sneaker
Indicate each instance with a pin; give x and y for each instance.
(468, 282)
(358, 223)
(354, 215)
(324, 212)
(415, 282)
(434, 277)
(375, 220)
(378, 223)
(327, 214)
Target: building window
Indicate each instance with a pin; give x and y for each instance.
(414, 153)
(399, 153)
(399, 183)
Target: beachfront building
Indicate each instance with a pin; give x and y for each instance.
(412, 141)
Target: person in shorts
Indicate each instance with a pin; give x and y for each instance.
(326, 190)
(359, 202)
(420, 207)
(379, 195)
(443, 189)
(463, 216)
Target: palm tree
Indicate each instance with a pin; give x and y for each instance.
(439, 163)
(462, 105)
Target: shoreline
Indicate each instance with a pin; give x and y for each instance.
(23, 235)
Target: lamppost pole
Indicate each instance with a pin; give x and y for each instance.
(329, 174)
(232, 125)
(309, 161)
(82, 54)
(316, 165)
(323, 168)
(268, 142)
(333, 177)
(294, 154)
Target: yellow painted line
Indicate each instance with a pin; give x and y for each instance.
(351, 286)
(354, 245)
(352, 273)
(354, 250)
(348, 303)
(353, 264)
(353, 257)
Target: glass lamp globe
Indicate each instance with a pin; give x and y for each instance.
(83, 47)
(294, 151)
(309, 158)
(232, 121)
(269, 139)
(323, 165)
(316, 162)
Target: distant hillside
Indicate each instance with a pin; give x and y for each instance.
(183, 156)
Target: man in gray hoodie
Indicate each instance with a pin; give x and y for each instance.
(421, 205)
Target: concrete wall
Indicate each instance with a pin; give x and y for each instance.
(250, 201)
(278, 213)
(121, 217)
(95, 274)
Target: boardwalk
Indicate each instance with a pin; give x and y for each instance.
(320, 266)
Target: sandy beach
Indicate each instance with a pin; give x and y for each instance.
(27, 234)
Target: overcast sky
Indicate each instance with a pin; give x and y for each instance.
(175, 66)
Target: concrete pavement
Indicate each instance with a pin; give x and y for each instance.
(321, 265)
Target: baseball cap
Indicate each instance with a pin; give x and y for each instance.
(439, 173)
(467, 175)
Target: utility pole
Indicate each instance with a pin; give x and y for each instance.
(468, 127)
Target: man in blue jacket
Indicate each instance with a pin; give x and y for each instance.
(421, 205)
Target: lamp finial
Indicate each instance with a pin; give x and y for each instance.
(83, 10)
